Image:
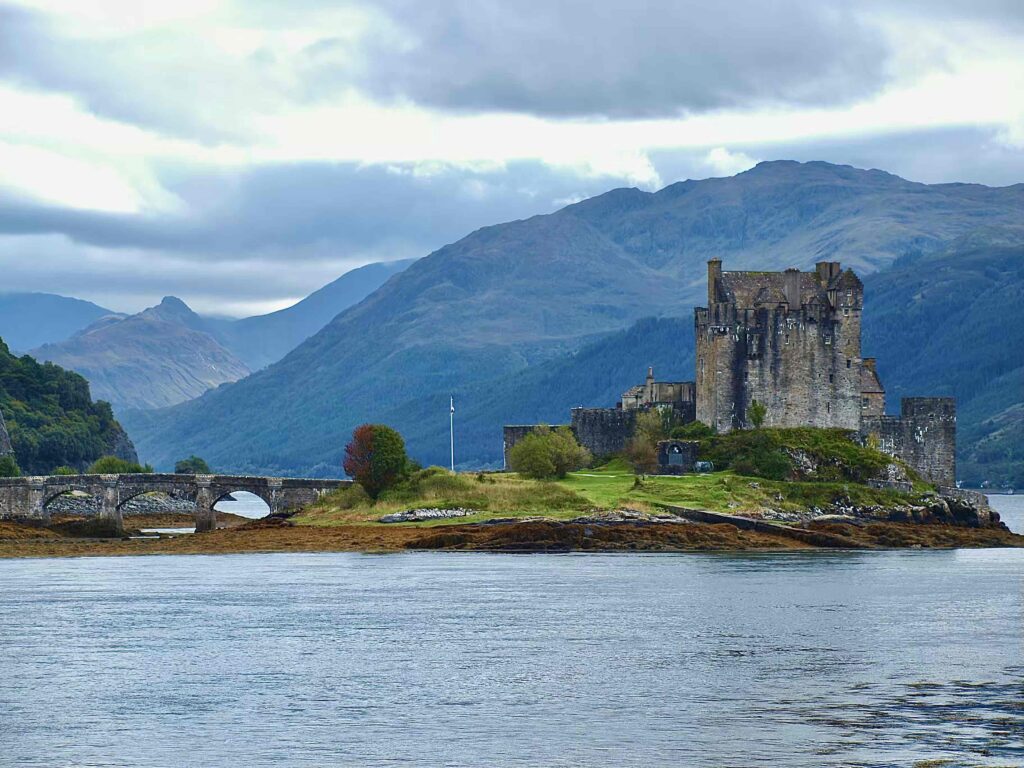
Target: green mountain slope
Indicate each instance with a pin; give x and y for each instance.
(51, 418)
(516, 294)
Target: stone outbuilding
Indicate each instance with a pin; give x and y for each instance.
(677, 457)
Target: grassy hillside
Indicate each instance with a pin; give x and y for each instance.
(52, 418)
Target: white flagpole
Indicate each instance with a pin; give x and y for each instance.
(451, 428)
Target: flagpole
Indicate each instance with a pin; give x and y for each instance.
(451, 428)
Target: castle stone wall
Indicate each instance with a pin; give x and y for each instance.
(923, 435)
(798, 356)
(603, 431)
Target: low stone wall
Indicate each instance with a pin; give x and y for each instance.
(603, 431)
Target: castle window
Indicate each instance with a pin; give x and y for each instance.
(828, 340)
(787, 338)
(846, 312)
(865, 402)
(828, 407)
(831, 378)
(847, 362)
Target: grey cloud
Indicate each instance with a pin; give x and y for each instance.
(312, 204)
(267, 233)
(624, 58)
(167, 80)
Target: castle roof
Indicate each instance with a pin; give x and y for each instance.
(749, 290)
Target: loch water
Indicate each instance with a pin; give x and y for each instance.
(468, 659)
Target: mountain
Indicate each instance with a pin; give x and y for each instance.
(52, 419)
(264, 339)
(514, 295)
(29, 320)
(159, 357)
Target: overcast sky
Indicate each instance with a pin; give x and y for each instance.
(242, 154)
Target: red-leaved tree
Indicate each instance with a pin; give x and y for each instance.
(375, 458)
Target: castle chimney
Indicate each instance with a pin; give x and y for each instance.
(827, 271)
(714, 278)
(870, 363)
(791, 287)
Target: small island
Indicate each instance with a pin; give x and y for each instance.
(781, 442)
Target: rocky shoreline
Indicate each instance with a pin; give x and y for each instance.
(621, 531)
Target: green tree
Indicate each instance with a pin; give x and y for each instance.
(548, 453)
(64, 470)
(9, 467)
(112, 465)
(375, 458)
(650, 427)
(695, 430)
(193, 465)
(642, 455)
(756, 413)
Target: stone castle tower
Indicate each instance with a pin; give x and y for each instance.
(789, 340)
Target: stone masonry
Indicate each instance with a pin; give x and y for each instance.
(30, 497)
(923, 435)
(789, 340)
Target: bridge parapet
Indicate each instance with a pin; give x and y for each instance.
(29, 496)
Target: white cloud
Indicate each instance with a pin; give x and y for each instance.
(725, 163)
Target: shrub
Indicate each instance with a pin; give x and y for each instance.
(695, 430)
(193, 465)
(756, 413)
(650, 427)
(64, 471)
(9, 467)
(376, 458)
(547, 453)
(112, 465)
(641, 455)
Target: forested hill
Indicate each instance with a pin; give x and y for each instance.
(52, 419)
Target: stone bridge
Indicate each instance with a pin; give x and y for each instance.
(29, 497)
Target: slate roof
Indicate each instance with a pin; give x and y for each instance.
(757, 289)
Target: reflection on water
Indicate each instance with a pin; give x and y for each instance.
(799, 659)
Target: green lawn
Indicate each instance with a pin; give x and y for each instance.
(612, 486)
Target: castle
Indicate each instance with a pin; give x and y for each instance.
(790, 341)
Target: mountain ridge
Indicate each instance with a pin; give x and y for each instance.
(515, 294)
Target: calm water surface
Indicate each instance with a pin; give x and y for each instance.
(800, 659)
